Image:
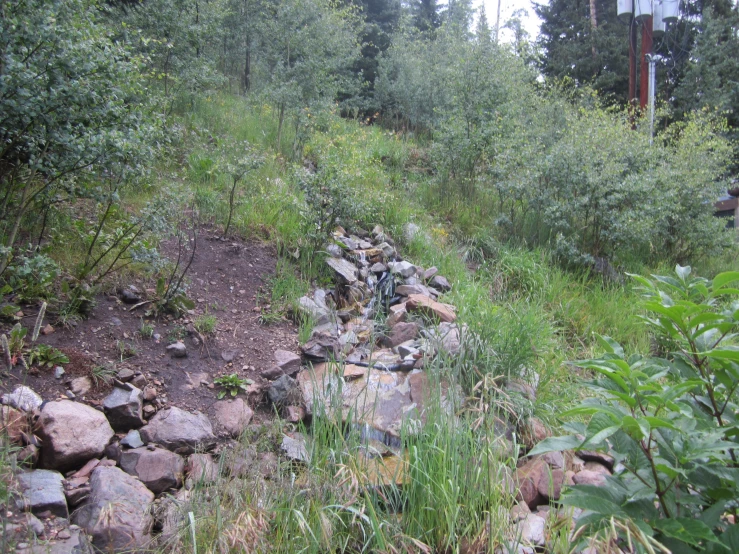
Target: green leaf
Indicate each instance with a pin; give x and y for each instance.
(724, 278)
(552, 444)
(726, 353)
(682, 271)
(690, 531)
(610, 345)
(637, 429)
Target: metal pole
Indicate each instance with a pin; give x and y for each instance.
(646, 49)
(650, 59)
(497, 23)
(632, 72)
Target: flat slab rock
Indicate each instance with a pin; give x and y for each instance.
(42, 491)
(157, 468)
(344, 269)
(382, 401)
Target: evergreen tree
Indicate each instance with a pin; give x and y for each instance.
(573, 49)
(425, 14)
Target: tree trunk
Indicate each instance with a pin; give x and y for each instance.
(593, 26)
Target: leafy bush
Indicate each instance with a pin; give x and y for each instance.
(30, 277)
(670, 423)
(231, 384)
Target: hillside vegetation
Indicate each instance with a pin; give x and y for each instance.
(129, 125)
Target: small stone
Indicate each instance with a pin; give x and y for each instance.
(228, 355)
(116, 322)
(387, 250)
(177, 350)
(58, 372)
(201, 469)
(139, 381)
(149, 410)
(334, 250)
(132, 439)
(128, 296)
(64, 534)
(81, 385)
(272, 373)
(588, 477)
(294, 414)
(123, 407)
(440, 283)
(47, 330)
(378, 268)
(125, 374)
(158, 469)
(430, 273)
(23, 398)
(400, 333)
(404, 269)
(178, 430)
(150, 393)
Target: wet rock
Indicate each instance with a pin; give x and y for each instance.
(180, 431)
(177, 350)
(294, 448)
(123, 407)
(158, 469)
(346, 270)
(287, 361)
(201, 470)
(400, 333)
(42, 491)
(308, 307)
(233, 415)
(440, 283)
(283, 391)
(116, 514)
(407, 290)
(387, 249)
(22, 398)
(13, 424)
(132, 439)
(398, 314)
(404, 269)
(444, 312)
(321, 347)
(72, 433)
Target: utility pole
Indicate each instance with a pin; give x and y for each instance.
(497, 23)
(652, 59)
(646, 50)
(632, 72)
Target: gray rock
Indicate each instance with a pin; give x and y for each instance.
(430, 273)
(387, 250)
(287, 361)
(172, 516)
(378, 268)
(272, 373)
(283, 391)
(307, 306)
(158, 469)
(321, 347)
(128, 296)
(58, 372)
(293, 446)
(132, 439)
(233, 415)
(125, 375)
(22, 398)
(404, 269)
(42, 490)
(177, 350)
(334, 250)
(180, 431)
(589, 477)
(400, 333)
(72, 433)
(407, 290)
(531, 529)
(346, 270)
(117, 512)
(124, 407)
(441, 283)
(446, 337)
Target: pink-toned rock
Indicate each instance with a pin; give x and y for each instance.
(519, 511)
(599, 457)
(550, 483)
(398, 314)
(86, 469)
(417, 302)
(528, 477)
(587, 477)
(72, 433)
(294, 414)
(233, 415)
(555, 460)
(597, 468)
(201, 469)
(158, 469)
(400, 333)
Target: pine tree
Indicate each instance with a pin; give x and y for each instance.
(425, 14)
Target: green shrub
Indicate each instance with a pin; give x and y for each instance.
(670, 423)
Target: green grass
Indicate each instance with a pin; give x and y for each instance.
(205, 324)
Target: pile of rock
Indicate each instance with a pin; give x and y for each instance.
(104, 466)
(366, 337)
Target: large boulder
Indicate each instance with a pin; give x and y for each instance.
(157, 468)
(117, 511)
(41, 491)
(71, 434)
(180, 431)
(233, 415)
(124, 408)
